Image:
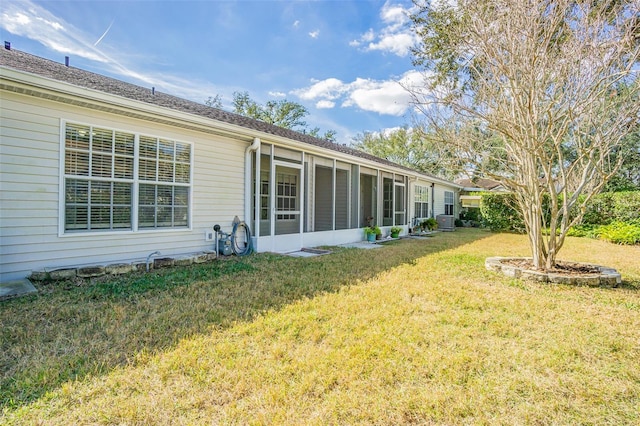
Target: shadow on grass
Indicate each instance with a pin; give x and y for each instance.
(71, 331)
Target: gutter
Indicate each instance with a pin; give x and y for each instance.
(255, 145)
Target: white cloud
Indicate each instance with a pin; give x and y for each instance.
(387, 97)
(394, 14)
(367, 37)
(34, 22)
(399, 44)
(396, 36)
(296, 24)
(314, 34)
(329, 89)
(325, 104)
(277, 94)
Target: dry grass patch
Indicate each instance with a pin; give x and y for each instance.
(425, 335)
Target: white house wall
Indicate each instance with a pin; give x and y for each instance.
(31, 141)
(29, 197)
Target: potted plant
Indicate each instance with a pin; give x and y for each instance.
(370, 233)
(378, 232)
(395, 231)
(429, 224)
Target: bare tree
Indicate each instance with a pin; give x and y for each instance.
(545, 91)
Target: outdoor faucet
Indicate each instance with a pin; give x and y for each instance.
(155, 253)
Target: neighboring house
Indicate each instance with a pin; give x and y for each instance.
(477, 185)
(98, 171)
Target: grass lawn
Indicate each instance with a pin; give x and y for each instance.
(416, 332)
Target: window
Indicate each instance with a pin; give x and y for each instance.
(100, 185)
(421, 200)
(448, 203)
(399, 201)
(287, 195)
(164, 174)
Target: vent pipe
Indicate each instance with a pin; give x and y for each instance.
(7, 45)
(66, 61)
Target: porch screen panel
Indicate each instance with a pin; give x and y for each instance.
(355, 200)
(368, 199)
(399, 201)
(287, 201)
(323, 200)
(342, 199)
(265, 199)
(387, 202)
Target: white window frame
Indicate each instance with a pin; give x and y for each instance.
(449, 194)
(136, 181)
(421, 196)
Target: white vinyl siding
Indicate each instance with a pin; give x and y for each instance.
(32, 233)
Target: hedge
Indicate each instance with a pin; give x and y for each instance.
(500, 213)
(611, 207)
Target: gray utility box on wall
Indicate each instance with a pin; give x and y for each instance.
(224, 244)
(446, 222)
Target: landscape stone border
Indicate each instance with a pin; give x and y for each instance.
(88, 272)
(607, 277)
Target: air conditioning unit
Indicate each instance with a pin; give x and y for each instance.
(446, 222)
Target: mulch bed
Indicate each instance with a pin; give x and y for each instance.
(566, 268)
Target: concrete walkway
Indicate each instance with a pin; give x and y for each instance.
(16, 288)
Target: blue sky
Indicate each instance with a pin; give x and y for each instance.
(343, 60)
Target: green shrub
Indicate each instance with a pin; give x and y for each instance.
(472, 214)
(620, 233)
(588, 230)
(627, 206)
(500, 213)
(608, 207)
(430, 224)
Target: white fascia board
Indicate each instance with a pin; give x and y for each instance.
(63, 90)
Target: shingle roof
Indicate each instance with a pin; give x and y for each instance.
(484, 183)
(22, 61)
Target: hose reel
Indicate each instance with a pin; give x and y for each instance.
(237, 242)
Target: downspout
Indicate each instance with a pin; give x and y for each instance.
(247, 179)
(433, 200)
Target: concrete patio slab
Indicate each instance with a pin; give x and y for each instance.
(16, 288)
(308, 252)
(362, 245)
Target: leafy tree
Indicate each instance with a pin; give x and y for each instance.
(329, 135)
(411, 147)
(214, 102)
(546, 90)
(628, 177)
(281, 113)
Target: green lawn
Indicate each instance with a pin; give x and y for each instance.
(415, 332)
